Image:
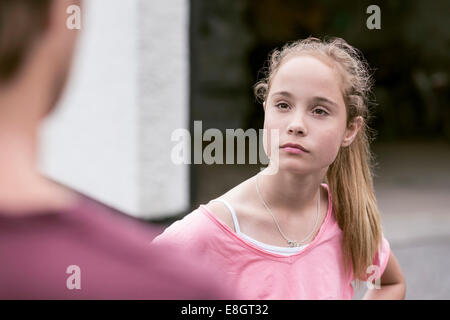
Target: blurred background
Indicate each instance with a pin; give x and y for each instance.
(146, 68)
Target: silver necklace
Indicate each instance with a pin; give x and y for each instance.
(292, 243)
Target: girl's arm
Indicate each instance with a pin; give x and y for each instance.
(392, 283)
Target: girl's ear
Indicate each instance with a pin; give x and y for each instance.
(264, 106)
(351, 131)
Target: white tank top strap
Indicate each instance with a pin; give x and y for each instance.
(274, 249)
(233, 214)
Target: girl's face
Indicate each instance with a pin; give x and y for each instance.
(306, 105)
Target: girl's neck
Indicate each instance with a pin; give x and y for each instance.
(290, 192)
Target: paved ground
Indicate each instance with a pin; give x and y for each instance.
(412, 186)
(413, 192)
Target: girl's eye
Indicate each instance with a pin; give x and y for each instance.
(324, 112)
(282, 106)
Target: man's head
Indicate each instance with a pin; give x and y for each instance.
(34, 39)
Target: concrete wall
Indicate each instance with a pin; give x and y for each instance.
(110, 136)
(163, 104)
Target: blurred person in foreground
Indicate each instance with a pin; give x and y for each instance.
(56, 243)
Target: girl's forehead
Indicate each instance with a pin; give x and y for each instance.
(302, 73)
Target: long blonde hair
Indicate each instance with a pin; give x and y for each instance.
(349, 177)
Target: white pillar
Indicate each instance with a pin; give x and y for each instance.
(110, 137)
(163, 103)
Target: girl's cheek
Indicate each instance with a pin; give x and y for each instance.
(329, 146)
(271, 136)
(267, 144)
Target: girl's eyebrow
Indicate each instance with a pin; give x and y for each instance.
(326, 100)
(315, 98)
(284, 93)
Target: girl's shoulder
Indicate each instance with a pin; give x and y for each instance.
(188, 230)
(236, 197)
(221, 213)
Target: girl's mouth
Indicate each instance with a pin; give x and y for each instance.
(294, 148)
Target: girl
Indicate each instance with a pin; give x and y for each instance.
(284, 234)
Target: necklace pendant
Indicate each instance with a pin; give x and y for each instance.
(292, 243)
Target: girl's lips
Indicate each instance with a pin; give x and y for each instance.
(293, 150)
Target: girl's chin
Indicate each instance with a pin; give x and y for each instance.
(294, 167)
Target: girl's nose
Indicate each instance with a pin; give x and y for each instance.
(296, 129)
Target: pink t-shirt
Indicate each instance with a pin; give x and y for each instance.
(316, 272)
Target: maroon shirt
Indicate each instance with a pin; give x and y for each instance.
(112, 251)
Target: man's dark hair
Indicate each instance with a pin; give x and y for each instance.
(21, 21)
